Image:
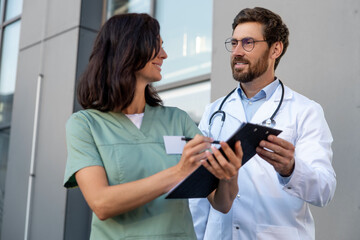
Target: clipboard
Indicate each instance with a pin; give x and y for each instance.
(200, 183)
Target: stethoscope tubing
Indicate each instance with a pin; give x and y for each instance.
(265, 122)
(281, 100)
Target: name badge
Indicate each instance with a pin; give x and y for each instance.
(174, 144)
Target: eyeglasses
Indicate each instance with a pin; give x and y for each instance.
(247, 44)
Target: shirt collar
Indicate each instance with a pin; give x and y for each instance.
(266, 92)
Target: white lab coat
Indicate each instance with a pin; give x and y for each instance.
(265, 207)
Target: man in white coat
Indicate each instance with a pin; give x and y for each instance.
(289, 172)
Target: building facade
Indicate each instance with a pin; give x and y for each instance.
(52, 41)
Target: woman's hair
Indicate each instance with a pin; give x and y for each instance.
(274, 30)
(123, 46)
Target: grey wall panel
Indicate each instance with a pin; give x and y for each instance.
(57, 96)
(221, 78)
(323, 63)
(20, 145)
(46, 18)
(48, 45)
(32, 22)
(56, 106)
(62, 16)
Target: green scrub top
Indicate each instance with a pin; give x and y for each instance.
(127, 153)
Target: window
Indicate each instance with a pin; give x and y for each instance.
(186, 29)
(127, 6)
(9, 55)
(10, 11)
(191, 98)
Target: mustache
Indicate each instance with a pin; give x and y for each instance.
(239, 59)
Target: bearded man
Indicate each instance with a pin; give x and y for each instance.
(289, 172)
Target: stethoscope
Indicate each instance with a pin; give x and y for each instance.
(270, 122)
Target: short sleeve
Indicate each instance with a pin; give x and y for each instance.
(81, 147)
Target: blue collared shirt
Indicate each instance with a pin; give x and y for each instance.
(252, 105)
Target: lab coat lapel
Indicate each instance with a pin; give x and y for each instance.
(234, 107)
(267, 109)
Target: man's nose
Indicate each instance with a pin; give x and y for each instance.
(238, 50)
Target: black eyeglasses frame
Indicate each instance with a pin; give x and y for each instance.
(230, 48)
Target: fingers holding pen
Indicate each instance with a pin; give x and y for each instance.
(196, 147)
(199, 139)
(193, 153)
(222, 164)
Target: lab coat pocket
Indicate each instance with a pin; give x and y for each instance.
(269, 232)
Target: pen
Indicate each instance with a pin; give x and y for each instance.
(188, 139)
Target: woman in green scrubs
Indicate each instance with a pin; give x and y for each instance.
(116, 151)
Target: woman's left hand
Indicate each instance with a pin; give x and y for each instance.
(225, 169)
(221, 167)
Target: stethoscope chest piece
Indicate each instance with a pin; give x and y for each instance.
(269, 123)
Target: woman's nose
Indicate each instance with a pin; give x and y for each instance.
(163, 54)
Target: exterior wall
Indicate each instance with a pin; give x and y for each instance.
(55, 42)
(322, 62)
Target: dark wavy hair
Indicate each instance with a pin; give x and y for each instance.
(123, 46)
(274, 30)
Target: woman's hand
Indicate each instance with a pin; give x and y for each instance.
(219, 166)
(227, 171)
(194, 152)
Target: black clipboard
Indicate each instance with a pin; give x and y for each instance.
(201, 182)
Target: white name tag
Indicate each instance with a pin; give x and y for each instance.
(174, 144)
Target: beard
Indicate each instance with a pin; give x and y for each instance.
(255, 69)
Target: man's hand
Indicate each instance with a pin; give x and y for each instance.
(281, 154)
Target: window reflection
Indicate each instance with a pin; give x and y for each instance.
(13, 8)
(193, 98)
(128, 6)
(1, 10)
(9, 58)
(186, 28)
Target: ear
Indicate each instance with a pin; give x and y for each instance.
(276, 50)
